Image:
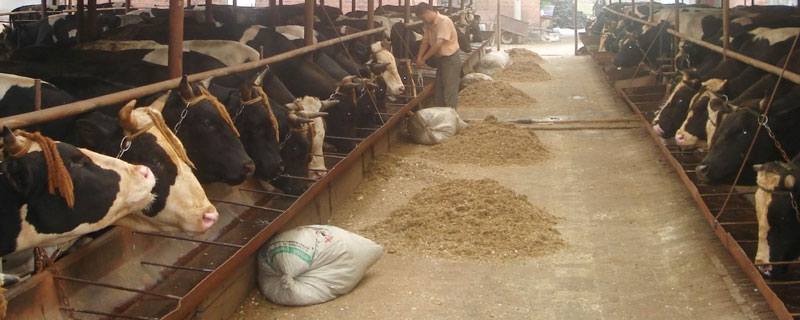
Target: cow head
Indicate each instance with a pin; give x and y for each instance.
(204, 126)
(693, 129)
(671, 115)
(735, 134)
(778, 220)
(140, 136)
(54, 191)
(385, 67)
(310, 108)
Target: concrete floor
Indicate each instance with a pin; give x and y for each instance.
(637, 247)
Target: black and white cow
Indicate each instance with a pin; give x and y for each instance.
(141, 137)
(777, 203)
(54, 192)
(17, 95)
(736, 132)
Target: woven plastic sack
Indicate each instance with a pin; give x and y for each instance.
(314, 264)
(434, 125)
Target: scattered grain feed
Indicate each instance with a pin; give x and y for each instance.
(390, 166)
(490, 143)
(523, 72)
(493, 94)
(524, 55)
(472, 219)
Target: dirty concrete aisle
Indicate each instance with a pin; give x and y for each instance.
(636, 245)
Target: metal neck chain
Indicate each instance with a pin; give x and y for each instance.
(763, 120)
(127, 140)
(178, 124)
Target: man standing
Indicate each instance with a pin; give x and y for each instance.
(440, 47)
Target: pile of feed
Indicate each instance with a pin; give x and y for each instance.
(490, 143)
(494, 94)
(526, 71)
(389, 166)
(475, 219)
(524, 55)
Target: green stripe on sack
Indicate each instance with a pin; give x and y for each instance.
(290, 250)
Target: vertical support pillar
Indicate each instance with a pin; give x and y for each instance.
(575, 21)
(726, 28)
(81, 13)
(272, 3)
(175, 60)
(209, 13)
(43, 8)
(352, 5)
(127, 6)
(370, 14)
(91, 21)
(407, 16)
(651, 15)
(497, 28)
(677, 28)
(188, 3)
(308, 33)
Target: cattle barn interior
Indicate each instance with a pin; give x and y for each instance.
(162, 159)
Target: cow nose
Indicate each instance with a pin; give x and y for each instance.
(766, 270)
(144, 171)
(680, 138)
(249, 168)
(402, 89)
(210, 218)
(657, 129)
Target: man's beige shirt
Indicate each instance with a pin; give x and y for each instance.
(442, 28)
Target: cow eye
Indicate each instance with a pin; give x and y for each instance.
(744, 132)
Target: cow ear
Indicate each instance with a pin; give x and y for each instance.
(378, 68)
(18, 175)
(789, 182)
(185, 89)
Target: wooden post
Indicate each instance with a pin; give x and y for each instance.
(272, 3)
(497, 27)
(380, 3)
(188, 3)
(341, 6)
(321, 3)
(175, 60)
(91, 21)
(575, 21)
(127, 6)
(352, 5)
(726, 28)
(308, 32)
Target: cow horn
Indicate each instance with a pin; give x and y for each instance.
(161, 102)
(206, 83)
(125, 119)
(298, 120)
(327, 104)
(294, 106)
(185, 89)
(311, 114)
(10, 143)
(260, 77)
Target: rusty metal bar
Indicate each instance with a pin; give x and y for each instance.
(215, 243)
(78, 107)
(106, 314)
(169, 266)
(726, 194)
(789, 75)
(51, 11)
(288, 176)
(726, 27)
(329, 155)
(277, 194)
(127, 6)
(777, 263)
(308, 23)
(352, 5)
(37, 94)
(783, 283)
(91, 20)
(247, 205)
(407, 12)
(738, 223)
(176, 38)
(116, 287)
(43, 9)
(584, 128)
(343, 138)
(81, 15)
(208, 12)
(370, 14)
(497, 28)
